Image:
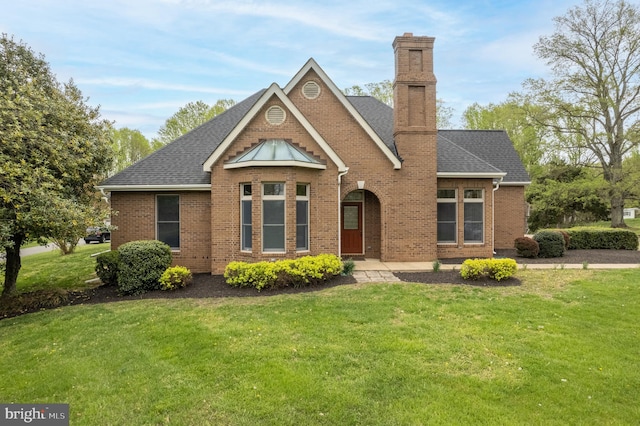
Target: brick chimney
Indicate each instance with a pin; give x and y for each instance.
(414, 87)
(415, 134)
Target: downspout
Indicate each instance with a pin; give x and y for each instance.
(340, 174)
(493, 215)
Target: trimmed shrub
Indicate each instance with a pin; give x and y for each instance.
(107, 267)
(299, 272)
(586, 238)
(141, 265)
(472, 269)
(175, 277)
(551, 243)
(526, 247)
(495, 269)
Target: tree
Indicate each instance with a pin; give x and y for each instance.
(564, 194)
(188, 118)
(53, 149)
(383, 91)
(129, 146)
(594, 95)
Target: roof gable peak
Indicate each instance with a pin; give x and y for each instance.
(273, 90)
(313, 65)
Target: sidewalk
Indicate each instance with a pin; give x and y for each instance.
(373, 270)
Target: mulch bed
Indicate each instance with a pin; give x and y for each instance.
(214, 286)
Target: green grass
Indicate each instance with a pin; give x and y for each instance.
(633, 224)
(562, 348)
(51, 270)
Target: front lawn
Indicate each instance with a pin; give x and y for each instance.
(51, 270)
(562, 348)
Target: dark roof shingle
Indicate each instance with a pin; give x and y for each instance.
(459, 151)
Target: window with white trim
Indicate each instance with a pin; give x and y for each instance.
(302, 217)
(473, 215)
(168, 220)
(273, 217)
(245, 217)
(447, 216)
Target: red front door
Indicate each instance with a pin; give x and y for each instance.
(351, 228)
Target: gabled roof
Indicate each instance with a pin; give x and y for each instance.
(184, 164)
(311, 64)
(273, 90)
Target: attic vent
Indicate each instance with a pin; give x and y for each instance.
(311, 90)
(275, 115)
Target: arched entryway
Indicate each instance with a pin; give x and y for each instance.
(360, 234)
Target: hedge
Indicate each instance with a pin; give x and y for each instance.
(585, 238)
(299, 272)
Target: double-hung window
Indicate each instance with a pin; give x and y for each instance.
(245, 217)
(302, 217)
(447, 216)
(473, 215)
(273, 217)
(168, 220)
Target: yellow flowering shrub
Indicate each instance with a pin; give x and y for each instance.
(283, 273)
(175, 277)
(496, 269)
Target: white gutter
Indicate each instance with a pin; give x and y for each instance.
(469, 175)
(493, 216)
(138, 188)
(340, 174)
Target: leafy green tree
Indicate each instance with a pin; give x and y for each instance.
(188, 118)
(593, 97)
(129, 146)
(53, 149)
(565, 194)
(383, 91)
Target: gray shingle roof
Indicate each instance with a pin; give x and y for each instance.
(459, 151)
(492, 146)
(180, 162)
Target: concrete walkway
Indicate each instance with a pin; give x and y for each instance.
(373, 270)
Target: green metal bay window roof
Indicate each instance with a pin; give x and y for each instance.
(275, 152)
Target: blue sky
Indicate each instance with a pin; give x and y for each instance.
(141, 60)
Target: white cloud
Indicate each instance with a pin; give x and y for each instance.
(134, 83)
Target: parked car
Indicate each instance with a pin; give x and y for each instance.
(95, 233)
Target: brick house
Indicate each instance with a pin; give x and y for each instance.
(304, 169)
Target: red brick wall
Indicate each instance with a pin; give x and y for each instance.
(511, 215)
(136, 215)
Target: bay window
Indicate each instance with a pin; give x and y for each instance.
(273, 217)
(302, 217)
(245, 217)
